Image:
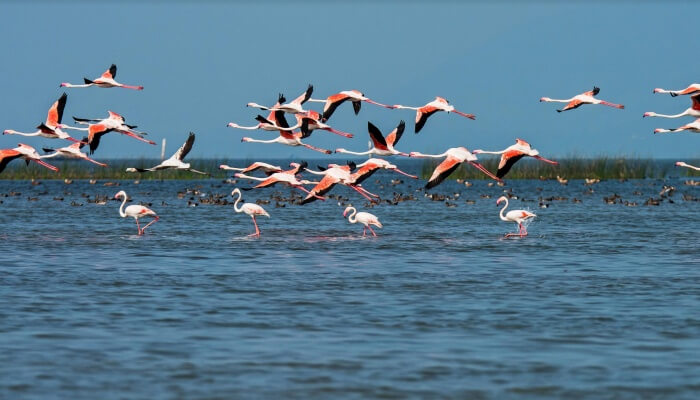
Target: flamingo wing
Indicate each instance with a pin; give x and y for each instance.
(356, 105)
(422, 116)
(364, 172)
(332, 102)
(95, 132)
(376, 135)
(507, 160)
(182, 152)
(56, 111)
(111, 73)
(576, 103)
(443, 171)
(690, 89)
(323, 187)
(696, 101)
(395, 135)
(305, 96)
(7, 155)
(593, 92)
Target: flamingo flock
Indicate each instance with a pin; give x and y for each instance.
(351, 175)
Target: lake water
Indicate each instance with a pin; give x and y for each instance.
(600, 301)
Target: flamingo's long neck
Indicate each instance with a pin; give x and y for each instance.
(558, 100)
(263, 141)
(121, 208)
(13, 132)
(364, 153)
(399, 106)
(430, 155)
(250, 128)
(73, 86)
(503, 218)
(316, 100)
(351, 217)
(683, 114)
(235, 204)
(240, 175)
(488, 152)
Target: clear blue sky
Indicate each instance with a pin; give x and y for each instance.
(201, 63)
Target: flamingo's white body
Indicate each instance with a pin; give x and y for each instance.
(106, 80)
(136, 211)
(364, 218)
(439, 104)
(581, 99)
(692, 127)
(336, 174)
(682, 164)
(72, 151)
(517, 216)
(369, 167)
(99, 127)
(175, 161)
(511, 155)
(354, 96)
(250, 209)
(453, 158)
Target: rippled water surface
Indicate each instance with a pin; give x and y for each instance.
(601, 301)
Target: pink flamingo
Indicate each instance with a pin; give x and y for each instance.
(439, 104)
(106, 80)
(581, 99)
(136, 211)
(250, 209)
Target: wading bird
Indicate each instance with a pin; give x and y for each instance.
(311, 120)
(512, 154)
(25, 152)
(175, 161)
(517, 216)
(693, 111)
(364, 218)
(136, 211)
(249, 208)
(72, 151)
(382, 146)
(682, 164)
(106, 80)
(50, 129)
(692, 89)
(439, 104)
(293, 107)
(453, 158)
(369, 167)
(581, 99)
(99, 127)
(334, 100)
(693, 127)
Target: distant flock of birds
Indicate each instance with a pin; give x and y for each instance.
(351, 174)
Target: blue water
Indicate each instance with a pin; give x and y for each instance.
(600, 301)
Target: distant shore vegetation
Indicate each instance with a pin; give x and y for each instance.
(569, 168)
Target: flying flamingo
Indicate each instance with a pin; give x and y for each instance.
(364, 218)
(72, 151)
(250, 209)
(106, 80)
(382, 146)
(99, 127)
(288, 177)
(692, 89)
(269, 123)
(334, 100)
(439, 104)
(268, 169)
(682, 164)
(50, 129)
(311, 120)
(333, 175)
(581, 99)
(518, 216)
(136, 212)
(369, 167)
(25, 152)
(453, 158)
(293, 107)
(693, 127)
(175, 161)
(512, 154)
(693, 111)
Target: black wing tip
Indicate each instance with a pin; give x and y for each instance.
(320, 168)
(352, 165)
(596, 89)
(47, 149)
(88, 81)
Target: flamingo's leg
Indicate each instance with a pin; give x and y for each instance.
(372, 230)
(364, 231)
(150, 223)
(257, 230)
(138, 227)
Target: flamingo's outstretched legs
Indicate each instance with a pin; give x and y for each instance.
(257, 230)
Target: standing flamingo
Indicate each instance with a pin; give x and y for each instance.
(25, 152)
(175, 161)
(512, 154)
(382, 146)
(692, 89)
(99, 127)
(693, 111)
(682, 164)
(581, 99)
(136, 211)
(106, 80)
(518, 216)
(439, 104)
(50, 129)
(72, 151)
(453, 158)
(334, 100)
(364, 218)
(293, 107)
(369, 167)
(311, 120)
(250, 209)
(692, 127)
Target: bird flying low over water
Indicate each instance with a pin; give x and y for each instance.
(581, 99)
(311, 120)
(106, 80)
(72, 151)
(682, 164)
(691, 89)
(293, 107)
(453, 158)
(99, 127)
(512, 154)
(175, 161)
(382, 146)
(369, 167)
(25, 152)
(333, 175)
(439, 104)
(693, 111)
(334, 100)
(692, 127)
(51, 128)
(268, 169)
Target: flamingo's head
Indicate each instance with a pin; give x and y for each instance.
(64, 84)
(658, 90)
(231, 125)
(545, 99)
(658, 130)
(245, 139)
(237, 175)
(341, 150)
(347, 210)
(131, 169)
(120, 194)
(648, 114)
(501, 199)
(6, 132)
(679, 163)
(415, 154)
